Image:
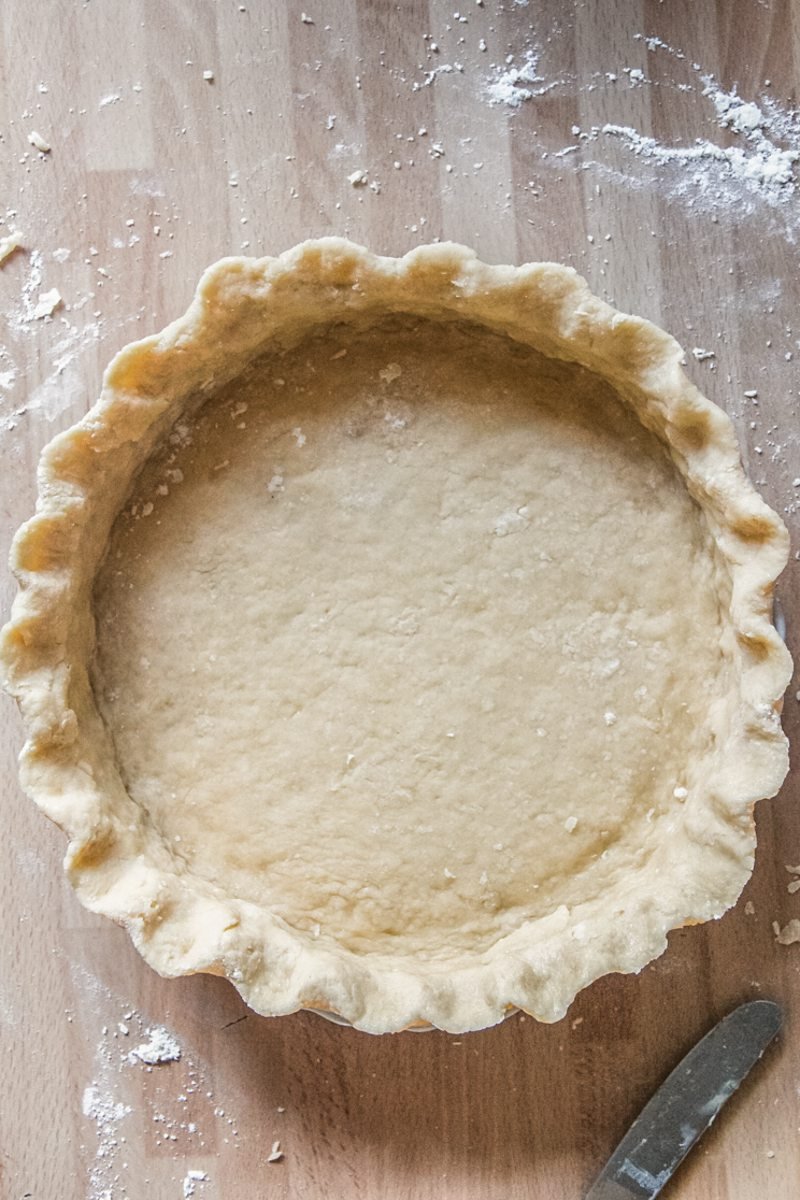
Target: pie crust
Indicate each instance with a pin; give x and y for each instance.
(394, 638)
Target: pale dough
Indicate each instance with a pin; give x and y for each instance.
(394, 637)
(449, 629)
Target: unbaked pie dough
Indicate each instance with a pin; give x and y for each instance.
(394, 637)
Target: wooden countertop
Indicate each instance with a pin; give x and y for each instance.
(156, 171)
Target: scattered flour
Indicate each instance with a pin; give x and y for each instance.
(761, 165)
(160, 1047)
(22, 314)
(72, 342)
(190, 1182)
(107, 1114)
(121, 1104)
(513, 85)
(710, 176)
(102, 1103)
(764, 169)
(64, 384)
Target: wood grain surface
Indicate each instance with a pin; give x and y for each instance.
(154, 172)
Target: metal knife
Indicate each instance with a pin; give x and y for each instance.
(686, 1104)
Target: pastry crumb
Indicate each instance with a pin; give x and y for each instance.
(38, 142)
(789, 934)
(390, 372)
(47, 304)
(10, 243)
(275, 1154)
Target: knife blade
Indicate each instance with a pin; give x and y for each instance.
(687, 1102)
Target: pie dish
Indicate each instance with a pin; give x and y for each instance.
(394, 638)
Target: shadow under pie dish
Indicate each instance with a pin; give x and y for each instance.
(394, 638)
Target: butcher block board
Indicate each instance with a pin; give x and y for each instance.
(181, 132)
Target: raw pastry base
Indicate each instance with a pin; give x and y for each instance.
(394, 638)
(471, 619)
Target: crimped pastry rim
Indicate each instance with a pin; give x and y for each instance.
(181, 924)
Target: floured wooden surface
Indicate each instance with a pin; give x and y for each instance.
(155, 170)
